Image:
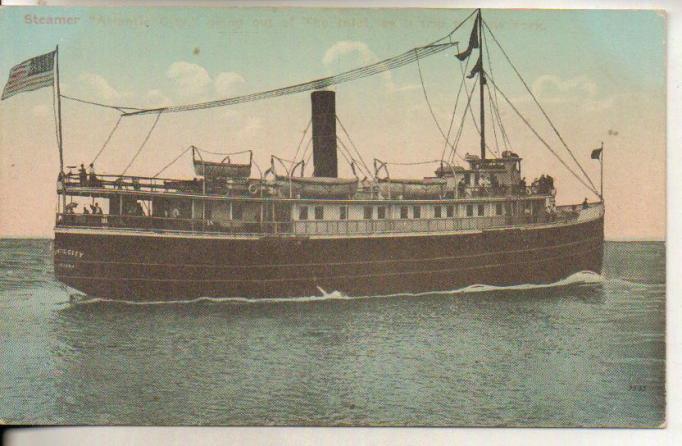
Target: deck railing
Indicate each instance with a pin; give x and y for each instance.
(310, 227)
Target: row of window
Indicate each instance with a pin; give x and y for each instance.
(368, 212)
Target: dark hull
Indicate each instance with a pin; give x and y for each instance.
(171, 267)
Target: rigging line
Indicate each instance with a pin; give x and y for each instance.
(343, 153)
(146, 138)
(172, 162)
(358, 73)
(298, 149)
(362, 160)
(310, 155)
(505, 137)
(454, 111)
(362, 169)
(461, 126)
(592, 189)
(540, 107)
(492, 115)
(54, 114)
(498, 118)
(120, 108)
(471, 111)
(111, 134)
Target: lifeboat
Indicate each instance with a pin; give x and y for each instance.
(222, 169)
(318, 187)
(410, 188)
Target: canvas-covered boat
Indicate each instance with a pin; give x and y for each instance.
(317, 187)
(413, 188)
(223, 169)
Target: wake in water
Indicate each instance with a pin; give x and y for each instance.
(580, 278)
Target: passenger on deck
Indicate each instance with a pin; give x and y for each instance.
(461, 188)
(585, 204)
(82, 176)
(85, 210)
(175, 213)
(69, 208)
(98, 210)
(92, 177)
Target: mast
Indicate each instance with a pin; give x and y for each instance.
(481, 82)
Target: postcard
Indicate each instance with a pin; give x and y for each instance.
(333, 217)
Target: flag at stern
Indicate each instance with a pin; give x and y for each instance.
(31, 74)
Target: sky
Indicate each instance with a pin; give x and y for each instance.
(600, 75)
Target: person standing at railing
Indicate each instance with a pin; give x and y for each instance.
(585, 204)
(82, 176)
(92, 177)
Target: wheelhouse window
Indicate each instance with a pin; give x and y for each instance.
(403, 212)
(343, 213)
(303, 213)
(498, 209)
(437, 212)
(480, 210)
(319, 213)
(368, 212)
(416, 212)
(381, 212)
(470, 210)
(450, 211)
(236, 211)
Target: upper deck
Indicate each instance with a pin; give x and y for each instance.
(255, 208)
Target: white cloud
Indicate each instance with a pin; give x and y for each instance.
(581, 90)
(346, 47)
(155, 98)
(99, 87)
(228, 83)
(191, 80)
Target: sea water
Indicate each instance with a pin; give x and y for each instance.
(586, 351)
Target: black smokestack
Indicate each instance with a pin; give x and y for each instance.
(324, 133)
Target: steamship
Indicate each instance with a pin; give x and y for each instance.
(236, 230)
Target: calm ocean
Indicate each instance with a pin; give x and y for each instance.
(588, 353)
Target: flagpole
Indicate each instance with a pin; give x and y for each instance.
(59, 113)
(59, 129)
(601, 173)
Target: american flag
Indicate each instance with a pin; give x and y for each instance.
(30, 75)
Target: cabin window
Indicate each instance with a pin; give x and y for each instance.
(437, 212)
(236, 211)
(403, 211)
(343, 213)
(416, 212)
(381, 212)
(498, 209)
(450, 211)
(303, 213)
(480, 210)
(470, 210)
(319, 213)
(368, 212)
